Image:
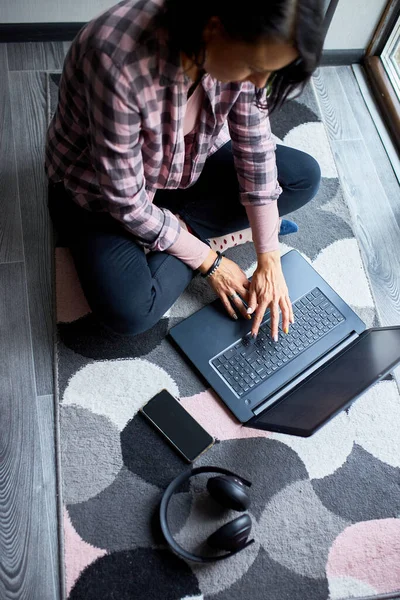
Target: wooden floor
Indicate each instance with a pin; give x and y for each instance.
(30, 565)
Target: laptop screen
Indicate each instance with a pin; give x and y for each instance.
(334, 386)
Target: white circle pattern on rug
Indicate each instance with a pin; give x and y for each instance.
(349, 587)
(117, 388)
(375, 418)
(341, 265)
(312, 138)
(325, 451)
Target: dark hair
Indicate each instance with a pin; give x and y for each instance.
(294, 21)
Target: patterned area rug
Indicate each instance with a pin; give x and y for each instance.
(325, 510)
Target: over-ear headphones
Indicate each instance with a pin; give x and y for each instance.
(229, 490)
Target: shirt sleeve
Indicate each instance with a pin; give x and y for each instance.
(189, 249)
(253, 150)
(264, 223)
(113, 136)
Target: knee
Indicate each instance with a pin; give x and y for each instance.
(310, 177)
(305, 177)
(313, 174)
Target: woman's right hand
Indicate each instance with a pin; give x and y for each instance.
(228, 279)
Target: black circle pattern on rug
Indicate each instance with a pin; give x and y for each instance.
(140, 574)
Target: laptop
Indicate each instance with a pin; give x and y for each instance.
(295, 386)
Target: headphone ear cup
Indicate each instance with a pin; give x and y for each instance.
(232, 535)
(229, 492)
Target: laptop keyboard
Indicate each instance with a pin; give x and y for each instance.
(247, 363)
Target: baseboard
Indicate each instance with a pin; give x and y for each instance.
(334, 58)
(39, 32)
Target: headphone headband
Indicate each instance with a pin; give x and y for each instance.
(173, 486)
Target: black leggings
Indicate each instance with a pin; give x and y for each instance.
(129, 291)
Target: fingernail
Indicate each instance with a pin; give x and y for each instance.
(275, 338)
(254, 336)
(249, 317)
(250, 310)
(286, 330)
(292, 320)
(234, 316)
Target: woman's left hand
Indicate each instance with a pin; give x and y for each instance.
(268, 289)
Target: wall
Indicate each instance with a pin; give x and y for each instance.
(51, 11)
(352, 26)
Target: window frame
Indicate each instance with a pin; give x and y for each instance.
(387, 57)
(385, 94)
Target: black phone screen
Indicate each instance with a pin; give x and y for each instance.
(180, 428)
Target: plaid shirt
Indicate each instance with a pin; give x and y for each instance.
(117, 134)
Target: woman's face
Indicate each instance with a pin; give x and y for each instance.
(228, 60)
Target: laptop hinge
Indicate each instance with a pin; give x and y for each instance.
(300, 378)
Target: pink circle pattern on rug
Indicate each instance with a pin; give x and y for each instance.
(369, 552)
(78, 553)
(223, 425)
(70, 299)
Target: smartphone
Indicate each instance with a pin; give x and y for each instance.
(174, 422)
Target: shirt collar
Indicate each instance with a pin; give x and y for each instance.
(170, 68)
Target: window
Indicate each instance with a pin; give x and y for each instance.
(382, 64)
(391, 58)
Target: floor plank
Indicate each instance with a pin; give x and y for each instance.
(26, 544)
(375, 227)
(373, 204)
(29, 124)
(377, 118)
(335, 108)
(11, 248)
(372, 139)
(66, 46)
(46, 420)
(39, 56)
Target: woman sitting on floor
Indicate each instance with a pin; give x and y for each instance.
(161, 140)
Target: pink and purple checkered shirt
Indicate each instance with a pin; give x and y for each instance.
(117, 134)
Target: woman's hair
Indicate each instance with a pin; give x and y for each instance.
(298, 22)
